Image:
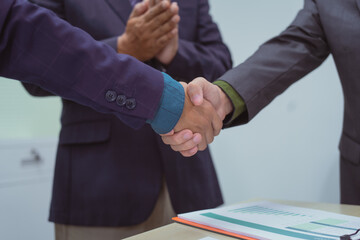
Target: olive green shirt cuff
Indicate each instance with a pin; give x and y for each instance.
(237, 102)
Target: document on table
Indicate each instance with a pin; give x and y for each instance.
(208, 238)
(272, 221)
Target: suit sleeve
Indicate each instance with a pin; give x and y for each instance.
(39, 48)
(279, 62)
(57, 6)
(208, 56)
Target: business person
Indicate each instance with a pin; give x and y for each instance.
(42, 59)
(320, 28)
(144, 182)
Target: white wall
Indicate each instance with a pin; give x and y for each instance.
(25, 117)
(289, 150)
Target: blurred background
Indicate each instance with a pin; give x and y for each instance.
(289, 151)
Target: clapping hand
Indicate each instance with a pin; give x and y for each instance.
(150, 28)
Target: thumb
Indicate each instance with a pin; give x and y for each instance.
(195, 91)
(168, 134)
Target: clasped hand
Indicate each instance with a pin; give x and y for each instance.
(151, 31)
(205, 108)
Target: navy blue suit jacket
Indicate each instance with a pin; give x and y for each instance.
(37, 47)
(108, 174)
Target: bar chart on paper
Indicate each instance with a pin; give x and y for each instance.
(266, 220)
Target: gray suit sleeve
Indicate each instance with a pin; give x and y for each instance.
(279, 62)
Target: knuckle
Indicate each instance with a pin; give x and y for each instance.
(162, 41)
(177, 141)
(165, 140)
(157, 22)
(173, 148)
(185, 153)
(188, 145)
(202, 148)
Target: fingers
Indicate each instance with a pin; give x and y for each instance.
(189, 144)
(211, 131)
(154, 2)
(151, 2)
(184, 142)
(203, 119)
(210, 116)
(156, 10)
(167, 27)
(168, 19)
(198, 119)
(217, 124)
(190, 152)
(195, 91)
(139, 9)
(150, 29)
(178, 143)
(178, 138)
(167, 54)
(167, 37)
(168, 134)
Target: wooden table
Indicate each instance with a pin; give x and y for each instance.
(177, 231)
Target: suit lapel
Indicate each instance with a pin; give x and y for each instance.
(358, 4)
(122, 8)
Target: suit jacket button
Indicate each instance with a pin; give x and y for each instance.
(130, 103)
(110, 96)
(121, 100)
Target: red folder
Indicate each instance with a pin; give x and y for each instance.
(177, 219)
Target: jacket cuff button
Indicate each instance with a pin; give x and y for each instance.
(130, 103)
(121, 100)
(110, 96)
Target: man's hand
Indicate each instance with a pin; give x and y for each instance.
(149, 29)
(167, 54)
(201, 119)
(199, 91)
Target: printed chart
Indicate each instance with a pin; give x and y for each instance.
(266, 220)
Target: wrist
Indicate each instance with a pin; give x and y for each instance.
(123, 45)
(226, 103)
(120, 44)
(164, 59)
(170, 107)
(168, 53)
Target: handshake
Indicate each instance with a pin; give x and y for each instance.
(152, 32)
(205, 108)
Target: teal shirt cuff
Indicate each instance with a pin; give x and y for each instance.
(170, 107)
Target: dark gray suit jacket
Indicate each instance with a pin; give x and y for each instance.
(108, 174)
(320, 28)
